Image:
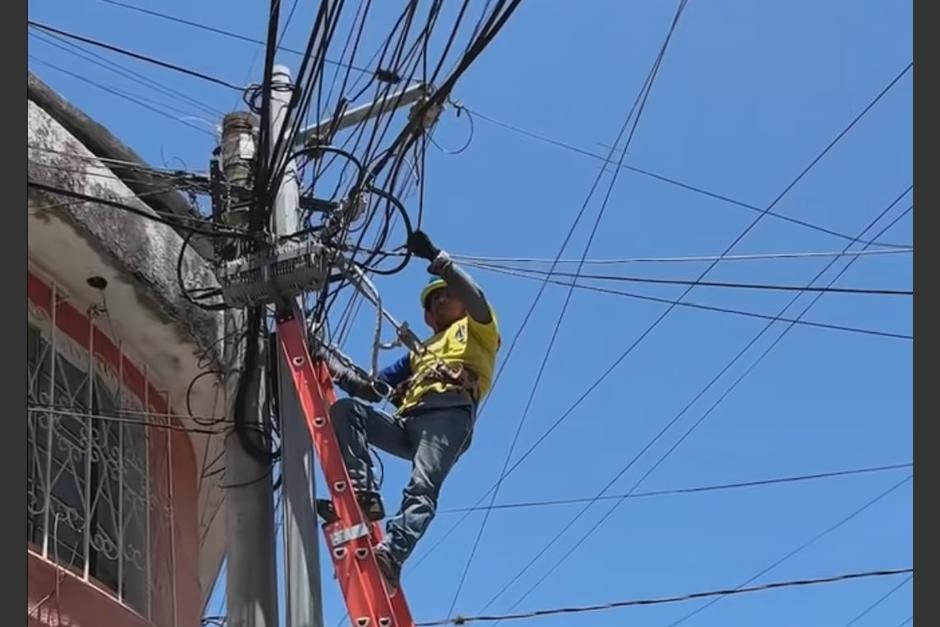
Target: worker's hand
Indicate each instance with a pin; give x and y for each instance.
(359, 385)
(419, 245)
(347, 377)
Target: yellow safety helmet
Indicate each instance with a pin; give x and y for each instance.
(434, 284)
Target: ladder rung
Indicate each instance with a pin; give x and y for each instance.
(345, 527)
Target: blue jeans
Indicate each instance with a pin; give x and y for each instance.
(432, 439)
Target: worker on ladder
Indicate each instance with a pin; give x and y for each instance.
(436, 392)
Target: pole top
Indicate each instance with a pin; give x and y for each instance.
(281, 74)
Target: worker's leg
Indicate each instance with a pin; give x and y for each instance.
(357, 425)
(440, 437)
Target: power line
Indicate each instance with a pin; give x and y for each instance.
(132, 75)
(688, 259)
(135, 55)
(715, 308)
(225, 33)
(181, 182)
(681, 413)
(571, 408)
(104, 172)
(672, 181)
(637, 108)
(780, 196)
(878, 602)
(83, 199)
(722, 593)
(801, 547)
(606, 373)
(408, 135)
(136, 99)
(700, 283)
(171, 220)
(630, 348)
(130, 165)
(691, 490)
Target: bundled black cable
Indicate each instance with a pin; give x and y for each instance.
(249, 378)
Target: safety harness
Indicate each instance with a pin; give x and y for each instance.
(457, 375)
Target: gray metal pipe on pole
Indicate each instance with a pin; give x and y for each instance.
(401, 98)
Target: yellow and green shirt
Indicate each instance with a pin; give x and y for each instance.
(466, 342)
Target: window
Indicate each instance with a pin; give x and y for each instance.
(87, 497)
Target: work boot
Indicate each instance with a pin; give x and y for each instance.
(371, 504)
(391, 570)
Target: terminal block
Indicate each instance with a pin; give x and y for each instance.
(280, 272)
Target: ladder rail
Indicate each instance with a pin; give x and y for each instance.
(350, 537)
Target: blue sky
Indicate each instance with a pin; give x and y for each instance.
(749, 93)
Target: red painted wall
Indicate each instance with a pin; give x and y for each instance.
(174, 540)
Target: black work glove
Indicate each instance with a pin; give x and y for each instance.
(351, 380)
(419, 245)
(357, 384)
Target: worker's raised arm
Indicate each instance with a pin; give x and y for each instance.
(463, 286)
(456, 277)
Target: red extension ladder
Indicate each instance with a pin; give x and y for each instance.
(349, 535)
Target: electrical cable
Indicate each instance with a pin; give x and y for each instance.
(450, 41)
(124, 164)
(685, 409)
(603, 376)
(290, 16)
(225, 33)
(162, 218)
(109, 174)
(672, 181)
(244, 484)
(187, 293)
(189, 393)
(688, 259)
(699, 283)
(722, 593)
(691, 305)
(394, 202)
(408, 134)
(294, 113)
(384, 90)
(261, 452)
(822, 534)
(634, 115)
(136, 99)
(120, 70)
(459, 108)
(779, 197)
(135, 55)
(690, 490)
(879, 601)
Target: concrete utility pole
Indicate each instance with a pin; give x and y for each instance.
(251, 578)
(301, 548)
(251, 592)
